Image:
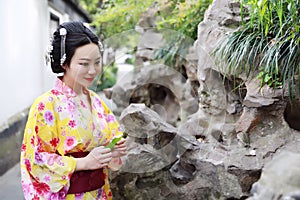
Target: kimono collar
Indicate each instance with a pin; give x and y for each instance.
(63, 88)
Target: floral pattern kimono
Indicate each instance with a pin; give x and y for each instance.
(59, 122)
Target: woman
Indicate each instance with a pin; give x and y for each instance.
(63, 152)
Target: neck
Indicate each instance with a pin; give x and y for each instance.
(77, 88)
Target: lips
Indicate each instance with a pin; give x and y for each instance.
(89, 79)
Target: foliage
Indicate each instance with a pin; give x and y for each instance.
(175, 49)
(184, 17)
(267, 43)
(118, 16)
(91, 6)
(106, 79)
(121, 16)
(130, 60)
(115, 20)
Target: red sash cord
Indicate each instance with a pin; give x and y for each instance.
(86, 180)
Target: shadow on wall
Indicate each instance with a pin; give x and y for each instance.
(11, 136)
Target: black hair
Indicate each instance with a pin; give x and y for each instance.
(77, 35)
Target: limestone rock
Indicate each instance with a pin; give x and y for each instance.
(188, 146)
(280, 178)
(159, 87)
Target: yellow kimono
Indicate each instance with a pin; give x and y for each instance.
(59, 123)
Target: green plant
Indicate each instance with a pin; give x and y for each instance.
(180, 16)
(117, 16)
(130, 60)
(115, 20)
(266, 45)
(91, 6)
(174, 50)
(266, 78)
(183, 17)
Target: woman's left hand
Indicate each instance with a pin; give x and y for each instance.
(120, 149)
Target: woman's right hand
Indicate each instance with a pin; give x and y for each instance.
(98, 158)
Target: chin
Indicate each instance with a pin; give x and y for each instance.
(86, 83)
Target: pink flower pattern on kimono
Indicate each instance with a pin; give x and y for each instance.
(70, 142)
(47, 178)
(71, 107)
(38, 158)
(110, 118)
(41, 106)
(49, 117)
(54, 158)
(72, 123)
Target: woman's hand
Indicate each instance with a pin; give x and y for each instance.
(120, 149)
(99, 157)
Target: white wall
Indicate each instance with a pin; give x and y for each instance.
(23, 42)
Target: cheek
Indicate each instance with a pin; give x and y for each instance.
(98, 70)
(76, 72)
(79, 73)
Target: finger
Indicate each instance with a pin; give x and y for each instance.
(120, 145)
(122, 141)
(100, 154)
(121, 149)
(103, 149)
(105, 160)
(106, 152)
(106, 155)
(123, 153)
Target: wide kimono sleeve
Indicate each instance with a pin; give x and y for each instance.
(43, 171)
(115, 131)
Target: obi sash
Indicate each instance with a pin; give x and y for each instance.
(85, 180)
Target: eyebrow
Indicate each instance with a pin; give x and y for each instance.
(87, 59)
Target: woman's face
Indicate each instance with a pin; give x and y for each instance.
(84, 66)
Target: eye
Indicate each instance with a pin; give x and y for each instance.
(98, 63)
(85, 64)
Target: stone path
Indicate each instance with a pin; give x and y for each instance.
(10, 184)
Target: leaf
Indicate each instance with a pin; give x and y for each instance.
(112, 144)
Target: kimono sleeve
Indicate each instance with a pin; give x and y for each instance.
(115, 128)
(39, 159)
(112, 122)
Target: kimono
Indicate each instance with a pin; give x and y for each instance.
(59, 122)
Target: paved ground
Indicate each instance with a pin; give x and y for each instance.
(10, 184)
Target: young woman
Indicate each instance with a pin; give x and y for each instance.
(63, 152)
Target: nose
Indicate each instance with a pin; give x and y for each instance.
(92, 70)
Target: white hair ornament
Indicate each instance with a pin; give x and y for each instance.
(62, 33)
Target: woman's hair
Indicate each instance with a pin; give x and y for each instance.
(77, 35)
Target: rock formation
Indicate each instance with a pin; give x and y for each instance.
(212, 144)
